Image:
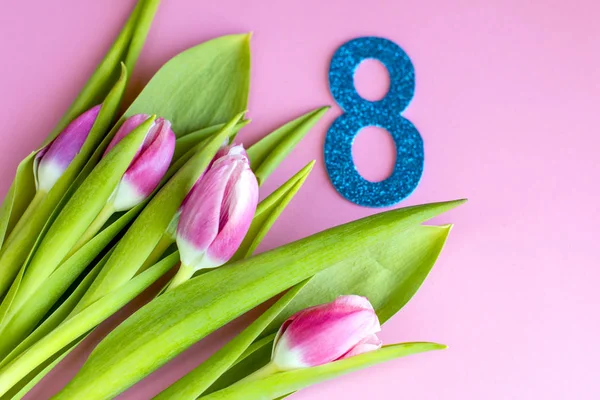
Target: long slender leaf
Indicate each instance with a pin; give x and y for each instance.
(172, 322)
(36, 307)
(78, 325)
(126, 48)
(269, 210)
(281, 384)
(19, 391)
(268, 153)
(57, 317)
(18, 197)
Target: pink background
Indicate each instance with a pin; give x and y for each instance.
(507, 102)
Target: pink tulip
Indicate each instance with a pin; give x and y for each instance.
(217, 213)
(52, 161)
(149, 164)
(325, 333)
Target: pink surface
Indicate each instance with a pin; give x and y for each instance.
(507, 102)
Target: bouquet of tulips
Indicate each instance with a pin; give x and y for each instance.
(112, 201)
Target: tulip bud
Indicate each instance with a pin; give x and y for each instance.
(217, 213)
(325, 333)
(149, 164)
(52, 161)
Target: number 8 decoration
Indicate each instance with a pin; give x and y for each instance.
(384, 113)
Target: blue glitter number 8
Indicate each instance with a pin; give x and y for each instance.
(384, 113)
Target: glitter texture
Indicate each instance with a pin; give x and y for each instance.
(384, 113)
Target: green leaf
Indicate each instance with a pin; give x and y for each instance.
(269, 210)
(145, 232)
(203, 86)
(126, 48)
(36, 307)
(78, 325)
(268, 153)
(282, 383)
(388, 277)
(30, 227)
(177, 319)
(78, 214)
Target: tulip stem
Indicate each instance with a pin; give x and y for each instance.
(264, 372)
(184, 273)
(93, 229)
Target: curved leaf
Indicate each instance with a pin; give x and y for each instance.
(283, 383)
(125, 49)
(174, 321)
(388, 277)
(268, 153)
(269, 210)
(78, 325)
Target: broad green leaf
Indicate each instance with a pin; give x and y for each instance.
(268, 153)
(283, 383)
(388, 277)
(78, 325)
(269, 210)
(169, 324)
(126, 48)
(203, 86)
(145, 232)
(30, 227)
(187, 142)
(78, 214)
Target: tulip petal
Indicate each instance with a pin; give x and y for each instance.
(53, 160)
(325, 333)
(370, 343)
(238, 208)
(126, 128)
(149, 164)
(148, 167)
(199, 221)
